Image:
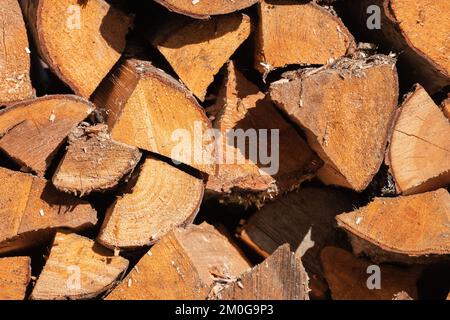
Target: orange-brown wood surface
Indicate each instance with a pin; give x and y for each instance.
(15, 275)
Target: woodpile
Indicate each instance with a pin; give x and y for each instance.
(224, 150)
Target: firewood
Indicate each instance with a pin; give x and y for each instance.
(348, 278)
(15, 82)
(419, 150)
(280, 277)
(15, 275)
(78, 268)
(159, 198)
(346, 110)
(203, 9)
(244, 107)
(183, 265)
(406, 229)
(197, 49)
(94, 162)
(80, 42)
(304, 219)
(149, 109)
(31, 131)
(446, 107)
(290, 32)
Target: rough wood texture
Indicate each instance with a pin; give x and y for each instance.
(291, 32)
(15, 275)
(406, 229)
(206, 44)
(78, 268)
(149, 109)
(158, 199)
(94, 162)
(348, 277)
(31, 131)
(15, 82)
(31, 209)
(183, 265)
(446, 108)
(419, 150)
(304, 219)
(348, 103)
(280, 277)
(80, 41)
(203, 9)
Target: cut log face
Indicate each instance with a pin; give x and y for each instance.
(404, 229)
(15, 275)
(183, 265)
(204, 9)
(349, 278)
(149, 109)
(305, 220)
(15, 82)
(346, 110)
(197, 50)
(419, 151)
(279, 277)
(94, 162)
(31, 209)
(159, 198)
(76, 269)
(79, 42)
(290, 32)
(31, 131)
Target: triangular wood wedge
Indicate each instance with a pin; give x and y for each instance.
(15, 275)
(78, 268)
(406, 229)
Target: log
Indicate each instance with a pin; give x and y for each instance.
(146, 108)
(94, 162)
(32, 209)
(15, 275)
(247, 179)
(407, 229)
(348, 278)
(366, 91)
(78, 269)
(15, 82)
(304, 219)
(419, 150)
(291, 32)
(32, 131)
(206, 44)
(80, 42)
(159, 198)
(201, 9)
(183, 265)
(446, 107)
(280, 277)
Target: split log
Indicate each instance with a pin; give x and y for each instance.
(348, 278)
(31, 210)
(15, 82)
(290, 32)
(419, 150)
(346, 110)
(149, 109)
(15, 275)
(446, 108)
(78, 268)
(31, 131)
(246, 178)
(94, 162)
(280, 277)
(406, 229)
(79, 41)
(304, 219)
(159, 198)
(183, 265)
(198, 49)
(203, 9)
